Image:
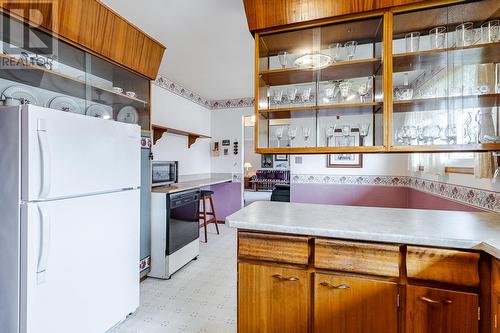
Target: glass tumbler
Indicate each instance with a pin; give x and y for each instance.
(465, 34)
(490, 31)
(334, 49)
(437, 37)
(412, 41)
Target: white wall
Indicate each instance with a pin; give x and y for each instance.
(228, 124)
(171, 110)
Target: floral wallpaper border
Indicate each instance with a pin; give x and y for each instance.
(483, 199)
(179, 90)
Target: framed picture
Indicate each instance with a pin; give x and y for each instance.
(266, 161)
(281, 157)
(281, 165)
(345, 160)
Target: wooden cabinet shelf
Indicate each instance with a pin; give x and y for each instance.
(441, 103)
(337, 71)
(469, 55)
(158, 132)
(327, 110)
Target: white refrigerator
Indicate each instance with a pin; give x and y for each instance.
(69, 221)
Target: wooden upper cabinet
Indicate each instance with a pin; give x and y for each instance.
(430, 310)
(354, 305)
(264, 14)
(93, 26)
(273, 299)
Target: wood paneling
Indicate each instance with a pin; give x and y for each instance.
(264, 14)
(276, 248)
(432, 310)
(273, 299)
(354, 305)
(375, 259)
(440, 265)
(93, 26)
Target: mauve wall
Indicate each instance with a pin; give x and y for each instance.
(374, 196)
(227, 199)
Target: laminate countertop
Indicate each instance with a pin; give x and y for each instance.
(451, 229)
(184, 185)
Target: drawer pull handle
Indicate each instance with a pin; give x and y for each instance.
(431, 301)
(282, 278)
(331, 286)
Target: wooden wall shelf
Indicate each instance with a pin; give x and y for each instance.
(158, 132)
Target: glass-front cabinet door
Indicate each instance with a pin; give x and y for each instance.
(320, 88)
(446, 78)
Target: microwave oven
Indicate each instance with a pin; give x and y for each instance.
(164, 173)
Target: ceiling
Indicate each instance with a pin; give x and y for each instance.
(209, 48)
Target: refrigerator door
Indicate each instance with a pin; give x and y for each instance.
(79, 263)
(66, 155)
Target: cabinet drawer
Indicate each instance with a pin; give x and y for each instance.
(448, 266)
(276, 248)
(375, 259)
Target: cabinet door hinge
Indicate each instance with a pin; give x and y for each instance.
(478, 313)
(397, 301)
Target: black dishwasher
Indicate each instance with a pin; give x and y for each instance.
(182, 219)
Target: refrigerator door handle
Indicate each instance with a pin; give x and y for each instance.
(43, 140)
(44, 245)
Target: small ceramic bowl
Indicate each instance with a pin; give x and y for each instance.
(118, 90)
(131, 94)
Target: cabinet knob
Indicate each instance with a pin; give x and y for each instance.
(282, 278)
(331, 286)
(432, 301)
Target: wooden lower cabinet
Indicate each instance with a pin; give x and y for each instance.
(273, 299)
(430, 310)
(354, 305)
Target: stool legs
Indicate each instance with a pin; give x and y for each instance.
(213, 211)
(203, 215)
(205, 219)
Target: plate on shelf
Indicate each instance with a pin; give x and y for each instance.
(99, 111)
(20, 93)
(128, 114)
(64, 103)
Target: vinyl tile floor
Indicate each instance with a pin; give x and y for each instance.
(199, 298)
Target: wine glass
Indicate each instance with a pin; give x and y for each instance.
(450, 134)
(306, 95)
(345, 87)
(331, 90)
(364, 129)
(431, 133)
(306, 132)
(330, 132)
(278, 96)
(334, 49)
(292, 94)
(364, 89)
(283, 58)
(292, 133)
(279, 134)
(350, 48)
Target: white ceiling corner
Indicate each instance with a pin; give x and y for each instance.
(209, 47)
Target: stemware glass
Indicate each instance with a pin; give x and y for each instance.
(306, 95)
(465, 34)
(279, 134)
(331, 90)
(334, 49)
(437, 37)
(291, 94)
(431, 133)
(278, 96)
(330, 132)
(283, 58)
(412, 40)
(364, 129)
(364, 89)
(292, 133)
(450, 134)
(345, 87)
(350, 48)
(490, 31)
(306, 132)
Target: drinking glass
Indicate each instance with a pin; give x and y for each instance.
(306, 132)
(497, 78)
(306, 95)
(278, 96)
(292, 133)
(465, 34)
(283, 58)
(431, 133)
(330, 132)
(437, 37)
(412, 40)
(279, 134)
(364, 129)
(346, 130)
(345, 87)
(490, 31)
(350, 48)
(450, 134)
(364, 89)
(334, 49)
(291, 94)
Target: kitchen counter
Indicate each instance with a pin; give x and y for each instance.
(461, 230)
(189, 183)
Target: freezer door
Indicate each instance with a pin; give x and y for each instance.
(79, 263)
(66, 155)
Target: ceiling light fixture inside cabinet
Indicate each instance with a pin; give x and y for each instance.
(313, 61)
